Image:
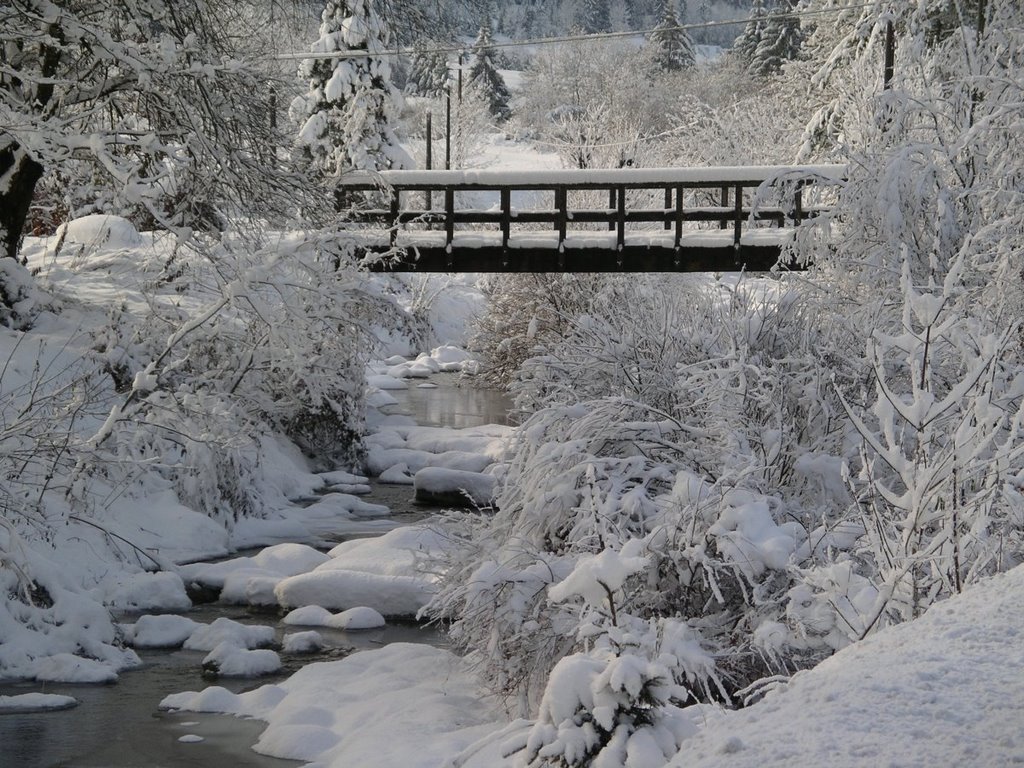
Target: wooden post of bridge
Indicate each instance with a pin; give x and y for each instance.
(679, 223)
(430, 154)
(725, 204)
(668, 208)
(737, 221)
(395, 207)
(448, 128)
(506, 222)
(620, 220)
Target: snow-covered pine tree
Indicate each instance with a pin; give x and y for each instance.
(779, 41)
(747, 41)
(485, 77)
(428, 73)
(348, 117)
(595, 16)
(673, 47)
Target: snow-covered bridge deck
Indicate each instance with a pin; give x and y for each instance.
(654, 220)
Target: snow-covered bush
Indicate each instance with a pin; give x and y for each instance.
(703, 433)
(526, 312)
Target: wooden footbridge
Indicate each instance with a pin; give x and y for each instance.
(630, 220)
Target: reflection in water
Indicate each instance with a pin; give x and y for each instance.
(119, 726)
(453, 403)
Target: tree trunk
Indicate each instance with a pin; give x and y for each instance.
(19, 174)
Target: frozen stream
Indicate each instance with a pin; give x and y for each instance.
(119, 726)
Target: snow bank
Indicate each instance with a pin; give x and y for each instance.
(945, 689)
(344, 713)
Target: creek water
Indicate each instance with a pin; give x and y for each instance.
(120, 726)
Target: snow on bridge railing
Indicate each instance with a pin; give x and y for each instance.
(584, 178)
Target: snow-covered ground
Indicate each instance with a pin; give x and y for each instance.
(944, 690)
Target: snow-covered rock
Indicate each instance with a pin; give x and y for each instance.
(162, 631)
(36, 702)
(436, 485)
(208, 636)
(310, 641)
(342, 589)
(228, 660)
(359, 617)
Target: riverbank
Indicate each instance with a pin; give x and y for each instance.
(121, 725)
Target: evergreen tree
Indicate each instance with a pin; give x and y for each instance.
(779, 42)
(673, 47)
(428, 73)
(348, 115)
(746, 43)
(485, 78)
(594, 16)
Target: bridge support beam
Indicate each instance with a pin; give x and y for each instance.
(752, 258)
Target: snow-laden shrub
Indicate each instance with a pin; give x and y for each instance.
(524, 313)
(941, 451)
(278, 344)
(705, 433)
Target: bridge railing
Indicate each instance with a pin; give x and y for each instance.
(729, 199)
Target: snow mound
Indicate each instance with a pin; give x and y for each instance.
(390, 595)
(98, 230)
(162, 631)
(302, 642)
(228, 660)
(36, 702)
(382, 573)
(208, 636)
(331, 712)
(66, 668)
(436, 485)
(251, 580)
(942, 690)
(145, 592)
(360, 617)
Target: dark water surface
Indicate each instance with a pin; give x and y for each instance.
(119, 725)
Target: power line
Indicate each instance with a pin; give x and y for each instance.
(408, 51)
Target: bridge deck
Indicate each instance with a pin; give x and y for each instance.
(662, 219)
